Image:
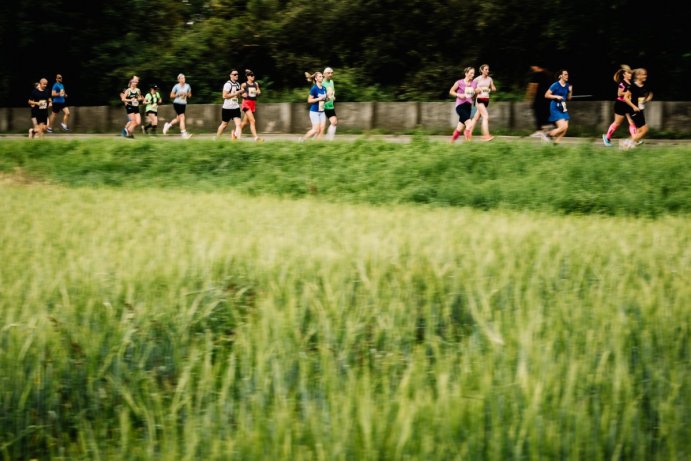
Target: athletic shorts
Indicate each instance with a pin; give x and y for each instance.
(228, 114)
(621, 108)
(638, 118)
(179, 108)
(464, 112)
(155, 112)
(58, 106)
(249, 104)
(131, 109)
(484, 101)
(317, 118)
(330, 113)
(41, 115)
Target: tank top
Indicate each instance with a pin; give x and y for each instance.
(251, 91)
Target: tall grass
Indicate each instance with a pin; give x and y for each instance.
(583, 179)
(178, 325)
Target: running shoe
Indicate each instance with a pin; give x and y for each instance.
(64, 127)
(124, 133)
(186, 135)
(487, 138)
(31, 133)
(547, 138)
(49, 130)
(468, 135)
(606, 141)
(166, 127)
(233, 136)
(258, 139)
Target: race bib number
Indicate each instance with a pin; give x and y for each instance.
(135, 103)
(641, 103)
(252, 92)
(43, 104)
(321, 106)
(234, 100)
(469, 92)
(563, 106)
(484, 92)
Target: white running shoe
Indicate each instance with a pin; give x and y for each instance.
(186, 135)
(64, 127)
(31, 133)
(166, 127)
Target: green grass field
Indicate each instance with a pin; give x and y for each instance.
(298, 302)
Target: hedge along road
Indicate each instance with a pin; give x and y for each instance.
(343, 138)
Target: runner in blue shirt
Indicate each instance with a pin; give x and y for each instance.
(558, 94)
(59, 104)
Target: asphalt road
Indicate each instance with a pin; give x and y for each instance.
(339, 137)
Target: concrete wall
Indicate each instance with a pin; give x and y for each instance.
(388, 116)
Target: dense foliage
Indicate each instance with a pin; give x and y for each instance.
(407, 49)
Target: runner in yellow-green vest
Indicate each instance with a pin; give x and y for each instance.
(329, 108)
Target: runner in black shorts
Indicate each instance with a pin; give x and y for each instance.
(623, 107)
(40, 102)
(131, 97)
(640, 95)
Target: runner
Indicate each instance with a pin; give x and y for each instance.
(484, 84)
(329, 108)
(640, 95)
(250, 91)
(59, 105)
(560, 92)
(131, 97)
(464, 92)
(317, 98)
(40, 102)
(231, 107)
(180, 93)
(540, 81)
(623, 107)
(152, 100)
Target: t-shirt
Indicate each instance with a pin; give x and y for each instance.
(562, 91)
(230, 87)
(315, 92)
(58, 87)
(330, 92)
(465, 91)
(543, 80)
(638, 95)
(181, 92)
(42, 97)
